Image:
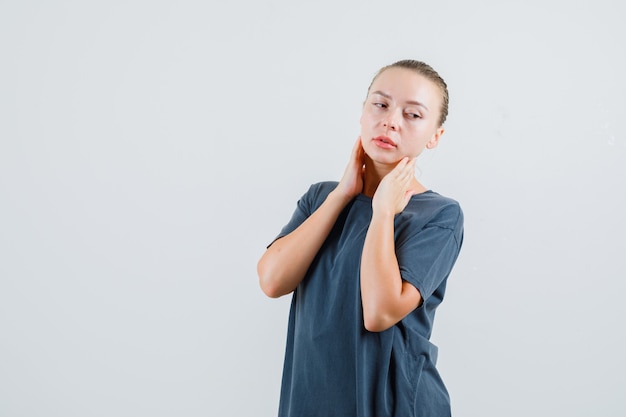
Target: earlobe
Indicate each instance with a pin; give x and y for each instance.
(434, 141)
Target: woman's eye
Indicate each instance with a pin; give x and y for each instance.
(380, 105)
(413, 115)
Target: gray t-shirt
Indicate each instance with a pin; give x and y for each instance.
(333, 365)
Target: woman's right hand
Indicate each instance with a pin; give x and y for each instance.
(285, 263)
(351, 183)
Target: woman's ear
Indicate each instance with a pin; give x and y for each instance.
(434, 141)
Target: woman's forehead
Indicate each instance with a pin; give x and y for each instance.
(405, 85)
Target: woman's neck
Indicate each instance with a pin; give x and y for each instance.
(373, 175)
(375, 172)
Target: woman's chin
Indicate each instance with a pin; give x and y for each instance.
(385, 159)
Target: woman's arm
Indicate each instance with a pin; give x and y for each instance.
(386, 298)
(285, 262)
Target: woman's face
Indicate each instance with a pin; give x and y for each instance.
(400, 116)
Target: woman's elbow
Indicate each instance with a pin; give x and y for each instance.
(270, 290)
(264, 281)
(376, 322)
(377, 326)
(268, 285)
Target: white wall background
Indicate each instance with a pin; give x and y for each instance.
(149, 150)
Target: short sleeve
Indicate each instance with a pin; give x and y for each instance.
(426, 256)
(306, 205)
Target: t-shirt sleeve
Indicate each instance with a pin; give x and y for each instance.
(427, 256)
(307, 204)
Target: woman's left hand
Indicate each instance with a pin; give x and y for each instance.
(394, 191)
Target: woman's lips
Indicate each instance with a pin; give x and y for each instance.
(384, 142)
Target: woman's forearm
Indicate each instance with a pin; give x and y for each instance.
(286, 261)
(386, 298)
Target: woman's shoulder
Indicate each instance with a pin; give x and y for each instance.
(317, 192)
(435, 199)
(436, 209)
(321, 189)
(323, 186)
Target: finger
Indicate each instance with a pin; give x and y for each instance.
(407, 197)
(410, 166)
(400, 166)
(405, 180)
(357, 146)
(410, 163)
(360, 151)
(406, 168)
(408, 173)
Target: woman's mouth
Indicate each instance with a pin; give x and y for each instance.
(384, 142)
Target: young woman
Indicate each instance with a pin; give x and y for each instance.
(367, 260)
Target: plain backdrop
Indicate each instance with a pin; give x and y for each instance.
(150, 150)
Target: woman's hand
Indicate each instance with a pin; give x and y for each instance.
(351, 183)
(394, 191)
(285, 263)
(386, 298)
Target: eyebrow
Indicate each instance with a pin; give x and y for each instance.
(387, 96)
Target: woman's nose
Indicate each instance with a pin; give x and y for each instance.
(391, 122)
